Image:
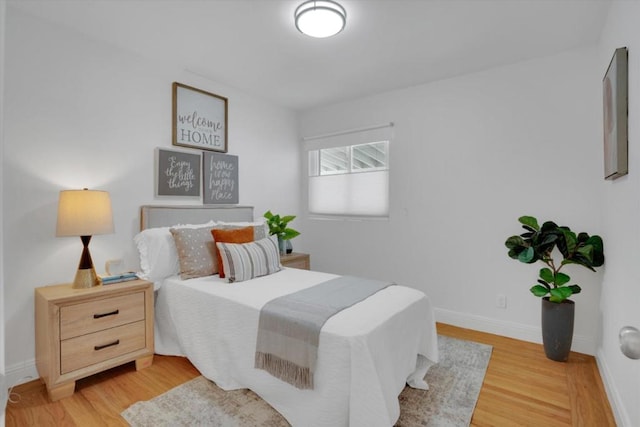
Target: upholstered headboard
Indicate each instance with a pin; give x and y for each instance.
(164, 216)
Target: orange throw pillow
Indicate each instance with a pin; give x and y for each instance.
(230, 235)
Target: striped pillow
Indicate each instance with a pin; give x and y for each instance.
(244, 261)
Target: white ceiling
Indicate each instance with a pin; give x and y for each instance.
(253, 45)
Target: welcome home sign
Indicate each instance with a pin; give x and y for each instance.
(199, 119)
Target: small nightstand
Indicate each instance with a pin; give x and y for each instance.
(80, 332)
(296, 260)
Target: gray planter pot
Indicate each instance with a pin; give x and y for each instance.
(557, 328)
(282, 246)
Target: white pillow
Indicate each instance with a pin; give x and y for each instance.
(244, 261)
(157, 250)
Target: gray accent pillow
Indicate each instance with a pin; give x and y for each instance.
(244, 261)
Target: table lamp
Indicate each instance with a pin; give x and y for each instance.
(84, 213)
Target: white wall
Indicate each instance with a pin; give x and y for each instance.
(80, 113)
(3, 388)
(620, 300)
(469, 156)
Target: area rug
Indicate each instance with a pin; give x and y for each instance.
(454, 385)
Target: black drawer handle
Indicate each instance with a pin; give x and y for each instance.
(111, 344)
(112, 313)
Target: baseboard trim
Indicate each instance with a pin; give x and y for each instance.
(21, 373)
(580, 344)
(3, 397)
(26, 371)
(617, 407)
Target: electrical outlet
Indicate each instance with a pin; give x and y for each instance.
(501, 301)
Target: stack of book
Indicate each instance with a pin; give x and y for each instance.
(117, 278)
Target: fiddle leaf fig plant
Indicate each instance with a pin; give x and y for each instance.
(537, 243)
(278, 226)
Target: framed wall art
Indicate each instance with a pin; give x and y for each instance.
(199, 119)
(178, 173)
(220, 177)
(615, 94)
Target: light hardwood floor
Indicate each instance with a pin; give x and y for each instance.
(524, 388)
(521, 388)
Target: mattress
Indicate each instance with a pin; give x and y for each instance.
(367, 353)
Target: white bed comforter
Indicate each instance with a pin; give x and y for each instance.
(367, 353)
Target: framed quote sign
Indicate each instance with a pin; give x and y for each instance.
(220, 177)
(178, 173)
(199, 119)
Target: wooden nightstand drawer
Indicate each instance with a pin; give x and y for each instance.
(96, 315)
(86, 350)
(296, 260)
(80, 332)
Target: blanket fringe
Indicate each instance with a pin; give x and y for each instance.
(298, 376)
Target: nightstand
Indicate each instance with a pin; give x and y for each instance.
(296, 260)
(80, 332)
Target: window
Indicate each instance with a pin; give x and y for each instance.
(354, 158)
(348, 176)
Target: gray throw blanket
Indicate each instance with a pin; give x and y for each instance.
(289, 327)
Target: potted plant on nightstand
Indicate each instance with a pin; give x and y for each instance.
(537, 243)
(278, 226)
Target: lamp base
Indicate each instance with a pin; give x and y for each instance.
(86, 278)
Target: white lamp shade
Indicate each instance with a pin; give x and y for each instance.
(84, 213)
(320, 18)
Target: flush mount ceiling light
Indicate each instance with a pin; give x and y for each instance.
(320, 19)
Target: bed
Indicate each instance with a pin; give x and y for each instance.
(366, 355)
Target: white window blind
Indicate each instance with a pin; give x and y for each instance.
(349, 172)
